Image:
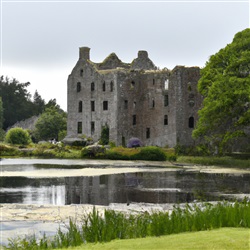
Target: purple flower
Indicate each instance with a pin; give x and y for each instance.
(134, 143)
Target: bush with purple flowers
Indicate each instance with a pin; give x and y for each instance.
(134, 143)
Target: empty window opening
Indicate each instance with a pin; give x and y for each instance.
(123, 142)
(81, 72)
(191, 122)
(134, 105)
(126, 104)
(165, 120)
(134, 119)
(132, 84)
(148, 133)
(78, 87)
(105, 105)
(80, 106)
(153, 81)
(153, 103)
(104, 86)
(79, 127)
(165, 100)
(92, 105)
(111, 86)
(92, 127)
(92, 86)
(166, 83)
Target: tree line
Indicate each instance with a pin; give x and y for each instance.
(17, 104)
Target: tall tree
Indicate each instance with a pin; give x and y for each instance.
(225, 84)
(1, 113)
(1, 120)
(39, 103)
(17, 104)
(50, 124)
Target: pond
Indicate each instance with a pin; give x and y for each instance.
(65, 182)
(159, 186)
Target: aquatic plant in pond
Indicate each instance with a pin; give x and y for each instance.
(111, 225)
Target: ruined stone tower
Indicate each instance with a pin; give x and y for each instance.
(133, 99)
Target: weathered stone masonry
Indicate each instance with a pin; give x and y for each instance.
(133, 99)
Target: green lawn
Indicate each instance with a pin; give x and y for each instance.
(219, 239)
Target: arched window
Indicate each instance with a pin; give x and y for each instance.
(78, 87)
(147, 133)
(191, 122)
(104, 86)
(92, 86)
(80, 106)
(165, 120)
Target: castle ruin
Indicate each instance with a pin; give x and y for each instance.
(133, 99)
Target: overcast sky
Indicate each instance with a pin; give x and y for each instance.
(40, 39)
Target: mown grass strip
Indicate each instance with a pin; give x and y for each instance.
(112, 225)
(219, 239)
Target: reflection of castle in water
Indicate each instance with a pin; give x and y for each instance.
(125, 188)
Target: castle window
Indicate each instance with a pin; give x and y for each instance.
(105, 105)
(165, 120)
(126, 104)
(191, 122)
(92, 86)
(78, 87)
(79, 127)
(92, 105)
(104, 86)
(123, 142)
(134, 119)
(148, 133)
(132, 84)
(153, 103)
(111, 86)
(134, 104)
(92, 127)
(153, 81)
(81, 72)
(165, 100)
(80, 106)
(166, 84)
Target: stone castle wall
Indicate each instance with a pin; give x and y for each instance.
(133, 99)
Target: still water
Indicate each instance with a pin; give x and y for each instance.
(149, 187)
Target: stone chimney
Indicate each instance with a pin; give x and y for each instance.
(142, 54)
(84, 53)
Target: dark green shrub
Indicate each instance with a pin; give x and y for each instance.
(113, 155)
(171, 157)
(104, 135)
(92, 151)
(18, 136)
(6, 150)
(150, 153)
(79, 143)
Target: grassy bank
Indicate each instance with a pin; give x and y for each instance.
(219, 239)
(113, 225)
(225, 161)
(49, 150)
